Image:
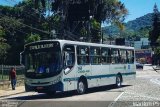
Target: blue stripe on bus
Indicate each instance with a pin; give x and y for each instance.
(99, 76)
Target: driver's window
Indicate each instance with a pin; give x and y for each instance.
(69, 56)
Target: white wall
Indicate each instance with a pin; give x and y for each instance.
(143, 41)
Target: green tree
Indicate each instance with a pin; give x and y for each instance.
(155, 32)
(33, 38)
(18, 22)
(2, 32)
(74, 19)
(95, 31)
(4, 47)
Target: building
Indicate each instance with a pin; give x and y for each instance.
(143, 51)
(143, 43)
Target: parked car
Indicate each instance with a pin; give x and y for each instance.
(139, 65)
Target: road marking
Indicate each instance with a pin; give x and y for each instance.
(135, 94)
(139, 95)
(112, 104)
(119, 96)
(156, 81)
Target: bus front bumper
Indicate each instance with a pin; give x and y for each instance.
(44, 89)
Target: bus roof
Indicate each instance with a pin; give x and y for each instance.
(83, 43)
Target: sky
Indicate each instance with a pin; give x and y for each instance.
(136, 8)
(9, 2)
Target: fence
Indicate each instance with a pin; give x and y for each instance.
(5, 69)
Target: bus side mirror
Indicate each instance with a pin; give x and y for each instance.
(66, 54)
(22, 60)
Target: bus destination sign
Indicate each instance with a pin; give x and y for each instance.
(41, 46)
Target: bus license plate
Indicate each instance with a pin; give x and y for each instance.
(39, 88)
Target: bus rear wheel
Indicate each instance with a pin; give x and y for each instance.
(118, 81)
(81, 87)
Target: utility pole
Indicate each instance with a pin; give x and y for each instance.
(89, 27)
(101, 34)
(49, 25)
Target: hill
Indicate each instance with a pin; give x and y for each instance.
(140, 22)
(138, 27)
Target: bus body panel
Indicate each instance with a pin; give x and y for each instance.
(96, 75)
(130, 73)
(70, 80)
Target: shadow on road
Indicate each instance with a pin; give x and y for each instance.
(65, 94)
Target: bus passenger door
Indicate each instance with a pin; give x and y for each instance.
(69, 67)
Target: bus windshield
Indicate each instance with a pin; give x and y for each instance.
(43, 63)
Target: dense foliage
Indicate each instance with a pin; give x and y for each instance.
(154, 35)
(155, 32)
(28, 22)
(83, 18)
(19, 25)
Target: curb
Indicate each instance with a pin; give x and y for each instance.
(155, 69)
(12, 94)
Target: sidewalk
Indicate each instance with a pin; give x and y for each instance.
(151, 67)
(156, 68)
(8, 92)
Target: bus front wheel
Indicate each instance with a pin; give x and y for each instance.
(81, 87)
(118, 81)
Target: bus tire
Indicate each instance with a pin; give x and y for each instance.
(118, 81)
(81, 87)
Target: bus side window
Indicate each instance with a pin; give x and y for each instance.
(105, 58)
(109, 56)
(130, 56)
(82, 55)
(95, 57)
(123, 56)
(114, 56)
(119, 56)
(127, 56)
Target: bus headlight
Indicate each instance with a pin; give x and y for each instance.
(56, 80)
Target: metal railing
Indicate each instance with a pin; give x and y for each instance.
(5, 69)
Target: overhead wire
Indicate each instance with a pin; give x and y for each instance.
(70, 32)
(32, 27)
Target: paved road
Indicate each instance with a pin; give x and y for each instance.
(145, 88)
(97, 96)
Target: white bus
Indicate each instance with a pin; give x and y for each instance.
(62, 65)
